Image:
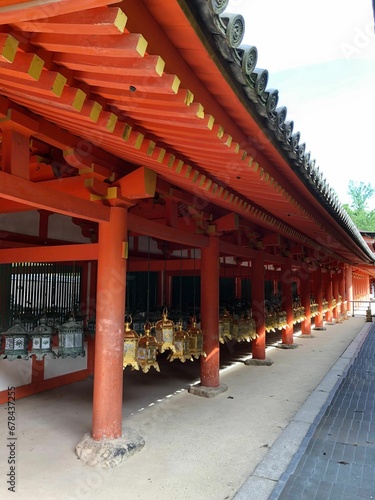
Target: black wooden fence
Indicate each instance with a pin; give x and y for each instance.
(30, 290)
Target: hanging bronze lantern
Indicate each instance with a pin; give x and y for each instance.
(41, 340)
(70, 339)
(181, 344)
(196, 340)
(235, 329)
(243, 328)
(164, 330)
(147, 350)
(225, 327)
(16, 342)
(131, 339)
(248, 328)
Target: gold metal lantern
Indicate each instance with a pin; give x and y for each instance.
(41, 340)
(243, 328)
(181, 344)
(248, 332)
(147, 350)
(225, 327)
(131, 340)
(235, 329)
(164, 330)
(196, 340)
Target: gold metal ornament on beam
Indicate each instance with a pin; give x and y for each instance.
(131, 340)
(164, 330)
(181, 344)
(147, 350)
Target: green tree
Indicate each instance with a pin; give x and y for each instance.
(360, 194)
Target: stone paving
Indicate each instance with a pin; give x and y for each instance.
(336, 461)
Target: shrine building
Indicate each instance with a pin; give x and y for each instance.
(155, 199)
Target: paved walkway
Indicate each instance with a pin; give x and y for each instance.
(336, 459)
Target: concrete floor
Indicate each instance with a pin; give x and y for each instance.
(196, 448)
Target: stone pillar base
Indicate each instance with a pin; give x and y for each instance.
(320, 328)
(306, 336)
(109, 453)
(330, 322)
(258, 362)
(280, 345)
(207, 392)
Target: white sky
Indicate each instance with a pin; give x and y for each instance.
(321, 57)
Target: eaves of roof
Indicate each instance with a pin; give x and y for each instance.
(222, 32)
(118, 97)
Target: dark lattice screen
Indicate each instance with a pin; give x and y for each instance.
(30, 290)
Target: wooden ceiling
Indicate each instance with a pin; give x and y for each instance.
(103, 88)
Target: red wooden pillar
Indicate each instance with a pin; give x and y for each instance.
(356, 288)
(349, 290)
(328, 295)
(110, 311)
(318, 297)
(304, 276)
(210, 313)
(238, 286)
(335, 288)
(341, 278)
(258, 345)
(287, 302)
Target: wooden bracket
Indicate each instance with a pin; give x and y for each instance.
(140, 183)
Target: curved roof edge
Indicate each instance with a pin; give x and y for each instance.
(228, 31)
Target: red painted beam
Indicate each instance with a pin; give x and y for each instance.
(155, 230)
(148, 65)
(164, 265)
(30, 10)
(133, 45)
(237, 251)
(26, 192)
(97, 21)
(62, 253)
